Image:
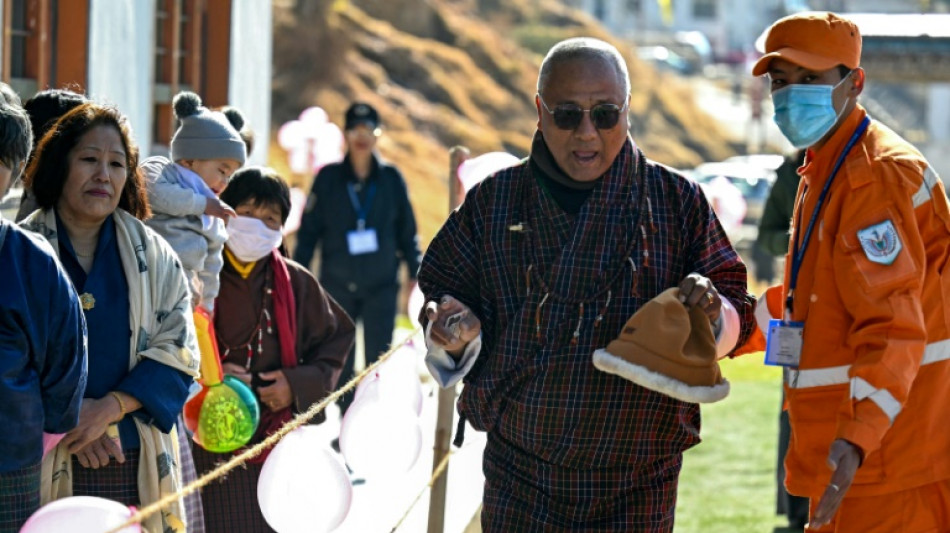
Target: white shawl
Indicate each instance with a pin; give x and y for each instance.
(160, 314)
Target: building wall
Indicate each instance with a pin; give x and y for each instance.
(121, 61)
(2, 41)
(249, 86)
(734, 28)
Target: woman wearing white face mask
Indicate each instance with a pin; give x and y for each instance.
(277, 331)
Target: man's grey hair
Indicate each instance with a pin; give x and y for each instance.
(16, 138)
(9, 96)
(584, 48)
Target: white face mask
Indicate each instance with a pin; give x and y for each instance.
(249, 239)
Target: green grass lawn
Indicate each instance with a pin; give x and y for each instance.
(728, 481)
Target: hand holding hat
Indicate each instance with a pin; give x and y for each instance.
(697, 290)
(668, 346)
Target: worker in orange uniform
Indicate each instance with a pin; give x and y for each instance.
(866, 331)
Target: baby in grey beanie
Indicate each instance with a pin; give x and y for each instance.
(206, 150)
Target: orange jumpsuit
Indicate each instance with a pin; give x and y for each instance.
(874, 294)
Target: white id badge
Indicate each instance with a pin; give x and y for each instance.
(362, 241)
(783, 347)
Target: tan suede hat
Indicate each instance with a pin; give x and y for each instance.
(669, 348)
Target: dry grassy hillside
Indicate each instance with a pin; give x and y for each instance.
(449, 72)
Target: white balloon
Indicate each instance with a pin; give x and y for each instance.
(414, 306)
(313, 117)
(380, 438)
(473, 171)
(298, 202)
(299, 160)
(80, 514)
(292, 134)
(328, 145)
(727, 201)
(395, 381)
(303, 487)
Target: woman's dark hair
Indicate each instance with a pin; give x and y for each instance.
(260, 185)
(49, 168)
(49, 105)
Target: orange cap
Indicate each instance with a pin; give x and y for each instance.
(816, 40)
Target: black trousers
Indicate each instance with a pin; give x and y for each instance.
(377, 309)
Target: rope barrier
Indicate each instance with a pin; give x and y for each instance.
(435, 475)
(239, 460)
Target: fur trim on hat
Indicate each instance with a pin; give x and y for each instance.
(611, 364)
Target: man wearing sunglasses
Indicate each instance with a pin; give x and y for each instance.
(867, 284)
(545, 262)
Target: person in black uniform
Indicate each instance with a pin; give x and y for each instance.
(359, 214)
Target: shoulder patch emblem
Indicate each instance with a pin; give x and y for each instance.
(880, 242)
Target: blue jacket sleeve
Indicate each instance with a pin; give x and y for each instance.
(63, 372)
(161, 389)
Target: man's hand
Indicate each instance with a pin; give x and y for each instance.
(237, 371)
(278, 394)
(94, 418)
(844, 459)
(216, 208)
(97, 453)
(452, 337)
(699, 290)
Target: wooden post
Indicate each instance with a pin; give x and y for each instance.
(446, 413)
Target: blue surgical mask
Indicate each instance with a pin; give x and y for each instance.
(805, 113)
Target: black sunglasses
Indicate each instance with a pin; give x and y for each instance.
(569, 116)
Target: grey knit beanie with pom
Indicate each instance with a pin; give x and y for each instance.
(205, 134)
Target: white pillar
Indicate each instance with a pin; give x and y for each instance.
(121, 61)
(249, 82)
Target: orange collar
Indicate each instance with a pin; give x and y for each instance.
(818, 162)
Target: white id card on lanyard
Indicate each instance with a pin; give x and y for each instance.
(362, 241)
(783, 346)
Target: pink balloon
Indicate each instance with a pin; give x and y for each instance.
(292, 134)
(380, 438)
(80, 514)
(303, 487)
(313, 118)
(473, 171)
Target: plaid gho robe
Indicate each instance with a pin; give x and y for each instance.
(570, 446)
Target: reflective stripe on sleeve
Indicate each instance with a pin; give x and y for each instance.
(838, 375)
(861, 389)
(924, 193)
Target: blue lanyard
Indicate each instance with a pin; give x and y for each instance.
(798, 252)
(361, 209)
